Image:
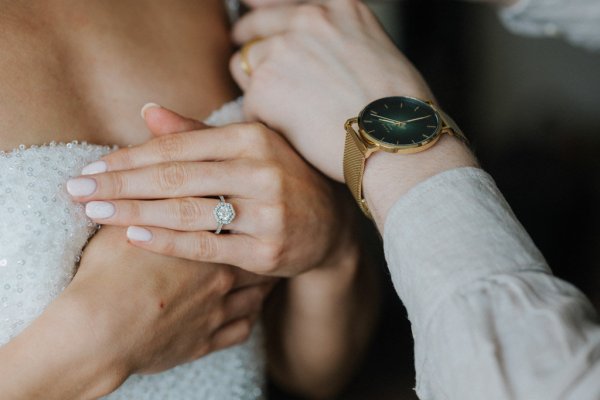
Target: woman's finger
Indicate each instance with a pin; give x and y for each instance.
(162, 121)
(183, 214)
(232, 334)
(169, 180)
(211, 144)
(246, 302)
(234, 249)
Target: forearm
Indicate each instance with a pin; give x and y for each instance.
(319, 331)
(56, 358)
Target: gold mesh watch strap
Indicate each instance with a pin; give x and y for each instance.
(452, 128)
(354, 167)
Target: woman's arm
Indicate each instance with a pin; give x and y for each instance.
(290, 222)
(319, 323)
(61, 355)
(128, 311)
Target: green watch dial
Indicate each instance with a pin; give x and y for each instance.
(400, 121)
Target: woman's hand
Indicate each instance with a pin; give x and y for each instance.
(128, 311)
(165, 311)
(317, 66)
(287, 219)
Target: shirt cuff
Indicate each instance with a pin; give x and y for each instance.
(450, 231)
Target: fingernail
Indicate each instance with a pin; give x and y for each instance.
(99, 209)
(81, 186)
(148, 106)
(138, 234)
(94, 168)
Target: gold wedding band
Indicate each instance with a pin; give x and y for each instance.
(245, 62)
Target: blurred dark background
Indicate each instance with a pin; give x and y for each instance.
(531, 108)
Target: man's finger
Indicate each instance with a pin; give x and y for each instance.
(263, 22)
(255, 54)
(268, 3)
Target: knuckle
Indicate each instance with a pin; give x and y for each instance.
(274, 216)
(188, 212)
(206, 247)
(270, 175)
(216, 318)
(169, 248)
(171, 176)
(170, 147)
(203, 349)
(264, 79)
(117, 184)
(272, 254)
(135, 210)
(256, 132)
(309, 16)
(245, 330)
(123, 158)
(224, 281)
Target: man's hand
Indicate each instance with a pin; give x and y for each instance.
(318, 65)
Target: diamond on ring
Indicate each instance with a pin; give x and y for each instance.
(224, 214)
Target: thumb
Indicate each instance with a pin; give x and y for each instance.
(162, 121)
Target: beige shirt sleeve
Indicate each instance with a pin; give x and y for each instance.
(489, 319)
(578, 21)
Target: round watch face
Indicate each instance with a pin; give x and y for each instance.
(400, 122)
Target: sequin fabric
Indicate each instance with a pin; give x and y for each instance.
(42, 234)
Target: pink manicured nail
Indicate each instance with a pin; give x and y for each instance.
(138, 234)
(99, 209)
(94, 168)
(148, 106)
(81, 186)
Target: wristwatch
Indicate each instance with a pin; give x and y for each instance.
(401, 125)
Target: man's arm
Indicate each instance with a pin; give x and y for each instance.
(320, 322)
(489, 319)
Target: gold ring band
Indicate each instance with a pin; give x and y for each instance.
(245, 62)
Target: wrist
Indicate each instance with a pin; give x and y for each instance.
(90, 343)
(388, 177)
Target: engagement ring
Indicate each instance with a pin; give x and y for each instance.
(224, 214)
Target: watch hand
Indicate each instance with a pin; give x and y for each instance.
(393, 121)
(415, 119)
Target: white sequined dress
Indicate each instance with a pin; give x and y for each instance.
(42, 233)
